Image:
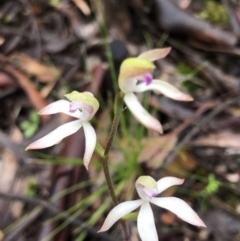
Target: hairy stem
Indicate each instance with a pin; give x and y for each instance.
(117, 115)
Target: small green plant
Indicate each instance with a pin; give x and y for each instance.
(183, 68)
(29, 127)
(212, 187)
(32, 187)
(191, 82)
(214, 12)
(54, 2)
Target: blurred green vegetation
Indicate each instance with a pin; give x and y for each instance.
(29, 127)
(214, 12)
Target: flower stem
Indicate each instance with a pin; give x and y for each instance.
(118, 106)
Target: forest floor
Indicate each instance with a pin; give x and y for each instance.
(49, 48)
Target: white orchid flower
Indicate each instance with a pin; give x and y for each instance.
(135, 76)
(83, 106)
(147, 189)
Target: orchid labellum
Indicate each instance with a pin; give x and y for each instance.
(82, 106)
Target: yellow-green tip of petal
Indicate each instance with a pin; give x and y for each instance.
(147, 182)
(84, 97)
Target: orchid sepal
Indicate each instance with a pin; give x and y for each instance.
(164, 88)
(155, 54)
(118, 212)
(141, 114)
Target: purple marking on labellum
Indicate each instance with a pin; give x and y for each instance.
(73, 106)
(76, 105)
(148, 78)
(150, 193)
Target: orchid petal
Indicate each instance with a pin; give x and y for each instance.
(60, 106)
(141, 114)
(57, 135)
(90, 143)
(118, 212)
(165, 88)
(155, 54)
(180, 208)
(167, 182)
(145, 223)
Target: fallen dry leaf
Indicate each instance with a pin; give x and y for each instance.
(183, 4)
(232, 177)
(36, 99)
(8, 179)
(5, 80)
(220, 139)
(2, 40)
(58, 44)
(234, 111)
(82, 5)
(156, 149)
(180, 167)
(168, 218)
(25, 63)
(82, 29)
